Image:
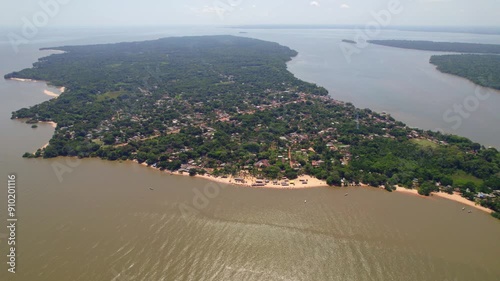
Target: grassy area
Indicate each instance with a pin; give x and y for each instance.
(461, 178)
(109, 95)
(425, 143)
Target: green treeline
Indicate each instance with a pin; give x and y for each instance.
(483, 70)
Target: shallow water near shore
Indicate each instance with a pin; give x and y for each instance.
(190, 229)
(99, 220)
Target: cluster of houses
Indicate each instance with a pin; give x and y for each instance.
(283, 182)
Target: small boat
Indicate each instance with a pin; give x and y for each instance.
(463, 209)
(346, 194)
(470, 211)
(151, 188)
(305, 201)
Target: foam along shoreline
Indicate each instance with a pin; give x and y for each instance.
(453, 197)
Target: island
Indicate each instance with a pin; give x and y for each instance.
(349, 41)
(227, 106)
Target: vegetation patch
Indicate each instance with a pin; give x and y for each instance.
(425, 143)
(460, 178)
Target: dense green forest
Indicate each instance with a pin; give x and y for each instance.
(483, 70)
(224, 104)
(440, 46)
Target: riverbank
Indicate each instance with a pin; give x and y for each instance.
(46, 92)
(54, 95)
(23, 80)
(51, 123)
(303, 182)
(250, 181)
(453, 197)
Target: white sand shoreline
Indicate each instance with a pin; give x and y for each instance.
(51, 123)
(453, 197)
(316, 183)
(24, 80)
(46, 92)
(50, 94)
(249, 180)
(54, 95)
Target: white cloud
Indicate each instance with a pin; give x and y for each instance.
(344, 6)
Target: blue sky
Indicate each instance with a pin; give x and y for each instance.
(230, 12)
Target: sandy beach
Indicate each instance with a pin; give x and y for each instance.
(408, 191)
(24, 80)
(42, 148)
(310, 182)
(458, 198)
(47, 92)
(51, 123)
(299, 183)
(50, 94)
(454, 197)
(54, 95)
(248, 181)
(56, 52)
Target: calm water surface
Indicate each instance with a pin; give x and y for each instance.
(100, 220)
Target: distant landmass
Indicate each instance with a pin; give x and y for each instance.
(483, 70)
(349, 41)
(450, 29)
(482, 66)
(227, 105)
(440, 46)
